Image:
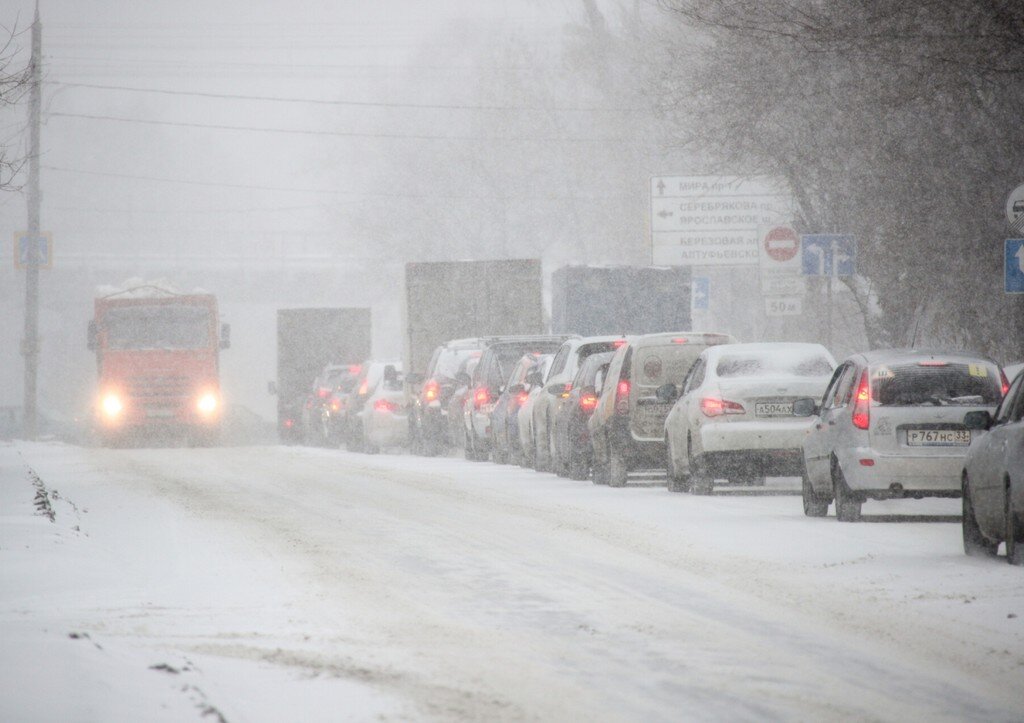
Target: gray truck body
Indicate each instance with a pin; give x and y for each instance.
(599, 300)
(447, 300)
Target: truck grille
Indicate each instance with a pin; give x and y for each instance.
(148, 387)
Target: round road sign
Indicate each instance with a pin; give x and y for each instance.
(781, 243)
(1015, 206)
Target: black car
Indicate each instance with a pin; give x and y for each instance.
(428, 409)
(572, 438)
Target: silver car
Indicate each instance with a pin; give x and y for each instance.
(891, 425)
(993, 479)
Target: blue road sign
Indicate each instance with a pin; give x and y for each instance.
(33, 251)
(701, 293)
(827, 254)
(1013, 265)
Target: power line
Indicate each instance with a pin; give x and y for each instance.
(337, 134)
(320, 101)
(334, 192)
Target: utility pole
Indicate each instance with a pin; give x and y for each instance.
(30, 342)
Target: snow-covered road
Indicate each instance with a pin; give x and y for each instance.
(274, 583)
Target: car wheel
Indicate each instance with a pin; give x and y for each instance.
(498, 453)
(847, 506)
(541, 456)
(1014, 533)
(676, 482)
(701, 480)
(578, 466)
(975, 543)
(557, 464)
(618, 469)
(814, 506)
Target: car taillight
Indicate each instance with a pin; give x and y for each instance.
(322, 393)
(862, 403)
(680, 340)
(932, 363)
(618, 343)
(385, 405)
(289, 423)
(431, 391)
(521, 398)
(481, 397)
(335, 404)
(566, 391)
(622, 397)
(712, 407)
(588, 402)
(354, 368)
(1005, 382)
(364, 387)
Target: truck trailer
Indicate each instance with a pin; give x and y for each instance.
(308, 340)
(599, 300)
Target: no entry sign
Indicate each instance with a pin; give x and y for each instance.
(781, 243)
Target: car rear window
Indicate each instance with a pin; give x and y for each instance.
(935, 383)
(657, 365)
(784, 363)
(450, 359)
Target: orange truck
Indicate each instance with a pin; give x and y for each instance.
(158, 358)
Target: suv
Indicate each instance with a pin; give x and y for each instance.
(572, 439)
(428, 409)
(489, 379)
(564, 367)
(627, 428)
(891, 425)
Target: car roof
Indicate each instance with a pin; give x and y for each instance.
(765, 346)
(691, 337)
(526, 339)
(892, 356)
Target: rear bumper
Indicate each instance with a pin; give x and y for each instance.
(386, 429)
(753, 435)
(904, 475)
(756, 463)
(639, 453)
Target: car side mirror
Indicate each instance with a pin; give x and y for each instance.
(978, 421)
(533, 378)
(390, 373)
(225, 336)
(554, 389)
(805, 407)
(90, 341)
(463, 379)
(666, 393)
(516, 389)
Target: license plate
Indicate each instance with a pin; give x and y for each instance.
(773, 409)
(938, 437)
(159, 412)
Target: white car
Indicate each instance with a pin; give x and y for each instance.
(382, 421)
(891, 425)
(734, 417)
(536, 380)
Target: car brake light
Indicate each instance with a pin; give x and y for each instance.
(618, 343)
(354, 368)
(431, 391)
(335, 405)
(566, 391)
(622, 397)
(932, 363)
(481, 397)
(385, 405)
(712, 407)
(521, 398)
(862, 403)
(680, 340)
(588, 402)
(364, 387)
(322, 392)
(289, 423)
(1005, 382)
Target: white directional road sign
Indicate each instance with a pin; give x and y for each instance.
(713, 220)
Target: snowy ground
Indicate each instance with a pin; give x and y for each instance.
(274, 583)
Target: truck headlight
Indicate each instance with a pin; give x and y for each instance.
(207, 403)
(112, 406)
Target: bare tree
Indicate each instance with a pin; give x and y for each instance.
(14, 84)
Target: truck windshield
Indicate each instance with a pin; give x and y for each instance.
(157, 327)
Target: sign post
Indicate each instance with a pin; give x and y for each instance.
(829, 255)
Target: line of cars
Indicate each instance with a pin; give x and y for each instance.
(709, 411)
